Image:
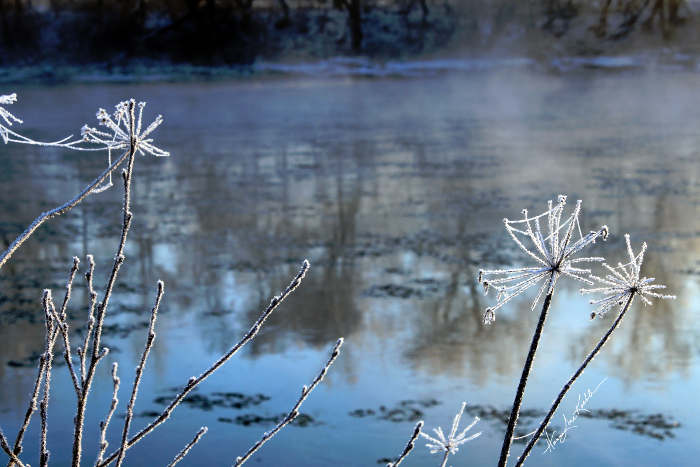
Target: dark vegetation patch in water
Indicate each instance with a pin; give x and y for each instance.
(657, 425)
(302, 420)
(405, 411)
(228, 400)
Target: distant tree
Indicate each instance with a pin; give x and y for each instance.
(354, 9)
(667, 12)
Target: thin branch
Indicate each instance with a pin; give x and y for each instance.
(91, 317)
(97, 355)
(409, 446)
(295, 410)
(62, 324)
(57, 211)
(139, 373)
(515, 411)
(569, 383)
(50, 313)
(50, 341)
(194, 381)
(181, 455)
(112, 407)
(6, 447)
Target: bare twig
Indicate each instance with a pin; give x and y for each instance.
(91, 317)
(194, 381)
(50, 341)
(181, 455)
(62, 325)
(57, 211)
(97, 355)
(295, 410)
(50, 313)
(105, 423)
(8, 451)
(409, 446)
(139, 373)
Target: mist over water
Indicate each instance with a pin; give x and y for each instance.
(395, 190)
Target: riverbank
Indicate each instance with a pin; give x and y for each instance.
(91, 45)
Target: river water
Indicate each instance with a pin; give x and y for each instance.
(395, 190)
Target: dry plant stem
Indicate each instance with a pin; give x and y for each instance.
(444, 459)
(102, 308)
(105, 423)
(62, 324)
(52, 331)
(8, 451)
(194, 381)
(568, 385)
(91, 316)
(50, 341)
(62, 209)
(181, 455)
(515, 412)
(51, 324)
(409, 446)
(51, 335)
(295, 410)
(139, 373)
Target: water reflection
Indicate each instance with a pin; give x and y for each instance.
(395, 191)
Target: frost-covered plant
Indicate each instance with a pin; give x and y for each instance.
(124, 133)
(5, 115)
(554, 255)
(409, 446)
(624, 283)
(450, 444)
(554, 252)
(618, 289)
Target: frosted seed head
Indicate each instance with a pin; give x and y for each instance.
(489, 316)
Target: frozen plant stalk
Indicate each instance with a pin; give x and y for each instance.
(554, 254)
(450, 444)
(618, 289)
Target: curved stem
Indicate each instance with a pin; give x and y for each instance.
(57, 211)
(515, 412)
(567, 386)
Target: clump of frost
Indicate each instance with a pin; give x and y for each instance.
(450, 444)
(7, 117)
(553, 252)
(624, 282)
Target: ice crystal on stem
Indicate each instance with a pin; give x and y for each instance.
(118, 137)
(118, 125)
(450, 444)
(553, 254)
(9, 119)
(623, 282)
